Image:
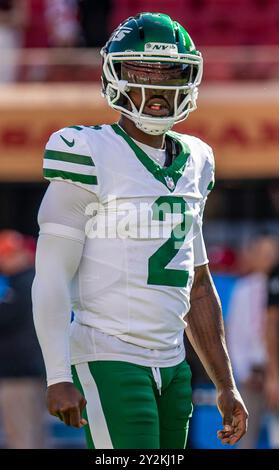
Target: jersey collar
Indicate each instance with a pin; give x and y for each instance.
(170, 175)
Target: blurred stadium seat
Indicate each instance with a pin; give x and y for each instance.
(213, 22)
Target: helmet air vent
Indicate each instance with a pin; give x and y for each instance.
(141, 32)
(176, 32)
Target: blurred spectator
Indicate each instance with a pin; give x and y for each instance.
(222, 259)
(94, 21)
(245, 330)
(273, 192)
(36, 34)
(52, 23)
(62, 20)
(22, 385)
(13, 19)
(272, 344)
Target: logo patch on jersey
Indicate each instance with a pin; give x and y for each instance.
(67, 142)
(161, 47)
(170, 182)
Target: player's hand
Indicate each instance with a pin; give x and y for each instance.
(234, 414)
(67, 403)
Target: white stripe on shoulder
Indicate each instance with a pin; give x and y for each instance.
(96, 418)
(70, 167)
(59, 230)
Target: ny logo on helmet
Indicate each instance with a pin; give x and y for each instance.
(121, 33)
(161, 46)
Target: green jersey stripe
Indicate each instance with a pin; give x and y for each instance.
(69, 157)
(67, 175)
(210, 186)
(78, 128)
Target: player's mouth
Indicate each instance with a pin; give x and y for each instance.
(157, 107)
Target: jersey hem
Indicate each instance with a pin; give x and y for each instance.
(201, 263)
(129, 358)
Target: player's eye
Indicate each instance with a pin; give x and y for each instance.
(168, 73)
(189, 73)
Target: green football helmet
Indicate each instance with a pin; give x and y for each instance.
(151, 51)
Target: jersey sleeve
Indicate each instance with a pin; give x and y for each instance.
(207, 182)
(67, 158)
(208, 172)
(200, 254)
(64, 211)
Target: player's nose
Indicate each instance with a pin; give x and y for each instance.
(150, 92)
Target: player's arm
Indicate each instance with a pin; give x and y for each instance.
(205, 330)
(69, 165)
(272, 343)
(62, 222)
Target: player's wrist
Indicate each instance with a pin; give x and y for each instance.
(228, 386)
(66, 379)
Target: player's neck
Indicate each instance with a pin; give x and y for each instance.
(156, 141)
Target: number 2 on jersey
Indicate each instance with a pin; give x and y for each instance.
(158, 274)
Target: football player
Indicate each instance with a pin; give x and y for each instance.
(121, 246)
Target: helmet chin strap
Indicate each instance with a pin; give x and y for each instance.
(151, 128)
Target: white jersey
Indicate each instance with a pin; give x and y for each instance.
(144, 238)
